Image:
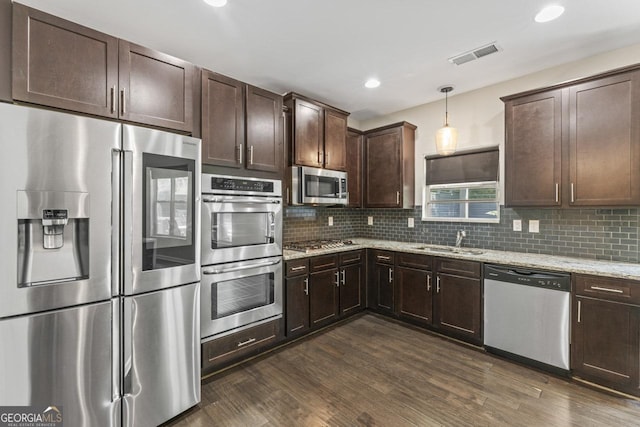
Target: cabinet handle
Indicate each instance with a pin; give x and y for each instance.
(615, 291)
(438, 284)
(122, 101)
(343, 277)
(240, 154)
(299, 268)
(428, 283)
(251, 154)
(579, 310)
(247, 342)
(288, 198)
(306, 286)
(326, 159)
(384, 258)
(337, 274)
(397, 197)
(390, 275)
(113, 100)
(320, 158)
(572, 198)
(557, 192)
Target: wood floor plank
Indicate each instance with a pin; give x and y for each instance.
(372, 371)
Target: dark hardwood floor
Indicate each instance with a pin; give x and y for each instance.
(374, 372)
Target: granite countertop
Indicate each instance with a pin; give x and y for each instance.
(545, 262)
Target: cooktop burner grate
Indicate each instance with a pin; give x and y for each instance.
(310, 245)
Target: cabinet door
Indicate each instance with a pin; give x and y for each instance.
(350, 289)
(335, 140)
(155, 88)
(297, 305)
(458, 306)
(604, 141)
(222, 120)
(383, 169)
(63, 65)
(354, 168)
(308, 135)
(323, 297)
(533, 150)
(606, 343)
(264, 130)
(384, 287)
(415, 299)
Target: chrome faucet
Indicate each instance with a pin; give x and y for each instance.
(460, 235)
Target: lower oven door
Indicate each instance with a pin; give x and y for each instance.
(240, 227)
(239, 293)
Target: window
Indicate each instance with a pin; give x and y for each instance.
(462, 187)
(473, 202)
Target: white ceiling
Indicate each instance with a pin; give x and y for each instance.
(326, 49)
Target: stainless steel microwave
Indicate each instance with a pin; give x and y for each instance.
(315, 186)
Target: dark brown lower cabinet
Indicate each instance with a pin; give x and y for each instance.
(458, 300)
(323, 297)
(415, 300)
(383, 284)
(350, 289)
(297, 305)
(606, 332)
(230, 348)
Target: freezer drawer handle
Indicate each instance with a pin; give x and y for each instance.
(247, 342)
(245, 267)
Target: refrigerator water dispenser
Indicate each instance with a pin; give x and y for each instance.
(53, 237)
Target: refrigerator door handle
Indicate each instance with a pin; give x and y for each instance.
(116, 330)
(127, 223)
(116, 221)
(127, 346)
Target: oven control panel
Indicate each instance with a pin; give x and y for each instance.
(221, 184)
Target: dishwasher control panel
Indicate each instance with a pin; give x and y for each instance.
(522, 276)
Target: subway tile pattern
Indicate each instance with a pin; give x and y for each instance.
(603, 234)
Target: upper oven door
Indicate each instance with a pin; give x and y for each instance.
(240, 227)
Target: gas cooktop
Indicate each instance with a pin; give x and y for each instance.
(309, 245)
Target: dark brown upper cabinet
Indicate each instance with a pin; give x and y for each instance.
(389, 178)
(317, 134)
(241, 125)
(355, 141)
(5, 50)
(64, 65)
(575, 144)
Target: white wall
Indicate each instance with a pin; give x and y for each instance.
(479, 115)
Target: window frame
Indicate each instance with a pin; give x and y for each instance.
(426, 191)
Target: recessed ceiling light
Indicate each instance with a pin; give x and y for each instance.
(216, 3)
(549, 13)
(372, 83)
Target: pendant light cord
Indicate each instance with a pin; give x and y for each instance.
(446, 108)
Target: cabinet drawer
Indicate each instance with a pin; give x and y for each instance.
(383, 257)
(325, 262)
(233, 346)
(621, 290)
(353, 257)
(296, 267)
(459, 267)
(420, 262)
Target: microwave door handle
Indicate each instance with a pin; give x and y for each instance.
(244, 267)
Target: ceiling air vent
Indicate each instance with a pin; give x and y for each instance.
(474, 54)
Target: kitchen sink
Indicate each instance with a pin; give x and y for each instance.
(451, 250)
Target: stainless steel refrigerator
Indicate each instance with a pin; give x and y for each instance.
(99, 268)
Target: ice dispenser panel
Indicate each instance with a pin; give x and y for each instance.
(53, 237)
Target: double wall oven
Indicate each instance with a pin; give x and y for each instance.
(241, 253)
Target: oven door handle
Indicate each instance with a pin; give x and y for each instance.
(251, 201)
(244, 267)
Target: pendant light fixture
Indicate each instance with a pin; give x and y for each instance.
(446, 137)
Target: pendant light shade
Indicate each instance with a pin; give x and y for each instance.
(446, 136)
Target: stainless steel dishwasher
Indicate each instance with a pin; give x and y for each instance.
(526, 316)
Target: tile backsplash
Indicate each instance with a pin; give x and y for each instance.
(604, 234)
